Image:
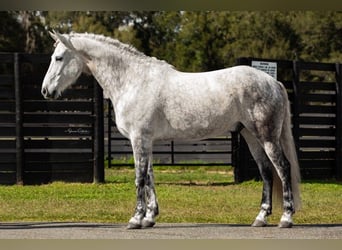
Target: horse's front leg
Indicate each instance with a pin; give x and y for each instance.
(144, 213)
(152, 209)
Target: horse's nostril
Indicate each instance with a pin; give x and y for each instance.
(49, 95)
(45, 92)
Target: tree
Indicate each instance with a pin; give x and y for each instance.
(195, 44)
(192, 41)
(261, 34)
(320, 35)
(11, 33)
(23, 31)
(201, 41)
(184, 39)
(163, 38)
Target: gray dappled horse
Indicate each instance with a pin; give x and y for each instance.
(153, 101)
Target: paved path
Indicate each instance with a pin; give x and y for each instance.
(164, 231)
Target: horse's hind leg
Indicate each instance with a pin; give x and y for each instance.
(265, 168)
(282, 166)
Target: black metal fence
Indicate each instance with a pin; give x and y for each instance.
(43, 141)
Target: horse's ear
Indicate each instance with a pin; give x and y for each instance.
(53, 35)
(59, 37)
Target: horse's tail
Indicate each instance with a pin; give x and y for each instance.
(288, 146)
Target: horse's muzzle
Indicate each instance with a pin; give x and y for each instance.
(49, 95)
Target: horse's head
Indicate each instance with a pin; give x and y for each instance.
(65, 67)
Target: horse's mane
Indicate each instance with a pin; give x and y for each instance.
(125, 49)
(110, 41)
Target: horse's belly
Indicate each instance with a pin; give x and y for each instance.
(198, 125)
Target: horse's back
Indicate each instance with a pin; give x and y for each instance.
(228, 80)
(213, 103)
(221, 88)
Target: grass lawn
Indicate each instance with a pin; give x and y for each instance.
(198, 194)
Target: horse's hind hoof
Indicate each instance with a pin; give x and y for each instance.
(285, 224)
(133, 226)
(147, 223)
(259, 223)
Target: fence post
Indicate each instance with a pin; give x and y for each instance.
(172, 153)
(296, 103)
(109, 133)
(238, 172)
(98, 174)
(19, 121)
(338, 150)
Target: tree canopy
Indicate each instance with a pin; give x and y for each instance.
(189, 40)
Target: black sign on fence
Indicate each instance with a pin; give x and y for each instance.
(44, 140)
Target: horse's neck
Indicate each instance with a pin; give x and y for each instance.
(115, 69)
(112, 70)
(99, 62)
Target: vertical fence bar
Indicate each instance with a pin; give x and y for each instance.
(338, 150)
(109, 134)
(172, 153)
(238, 176)
(98, 175)
(19, 121)
(296, 103)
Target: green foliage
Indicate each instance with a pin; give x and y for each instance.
(207, 40)
(320, 35)
(261, 34)
(190, 40)
(11, 35)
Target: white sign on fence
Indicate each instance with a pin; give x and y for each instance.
(268, 67)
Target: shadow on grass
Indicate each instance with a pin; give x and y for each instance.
(326, 181)
(51, 225)
(199, 184)
(179, 183)
(46, 225)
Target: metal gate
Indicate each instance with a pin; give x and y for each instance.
(43, 140)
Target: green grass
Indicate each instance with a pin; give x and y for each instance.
(196, 194)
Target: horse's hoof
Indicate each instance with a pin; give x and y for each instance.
(133, 226)
(259, 223)
(147, 223)
(285, 224)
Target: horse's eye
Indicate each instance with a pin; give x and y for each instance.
(59, 58)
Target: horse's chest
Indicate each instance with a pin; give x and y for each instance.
(133, 116)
